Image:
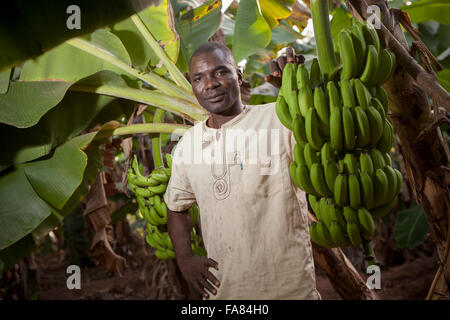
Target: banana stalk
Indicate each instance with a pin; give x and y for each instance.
(324, 40)
(156, 142)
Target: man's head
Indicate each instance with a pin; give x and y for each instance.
(215, 77)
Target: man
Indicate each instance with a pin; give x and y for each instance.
(254, 221)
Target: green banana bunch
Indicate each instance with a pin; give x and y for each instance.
(149, 193)
(342, 131)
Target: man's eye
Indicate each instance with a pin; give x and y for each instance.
(196, 79)
(221, 72)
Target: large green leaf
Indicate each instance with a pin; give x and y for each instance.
(54, 65)
(22, 210)
(411, 227)
(66, 120)
(196, 26)
(251, 31)
(29, 28)
(423, 10)
(4, 80)
(275, 10)
(56, 178)
(26, 102)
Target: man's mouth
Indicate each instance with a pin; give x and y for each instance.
(216, 98)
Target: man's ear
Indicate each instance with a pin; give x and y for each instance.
(240, 76)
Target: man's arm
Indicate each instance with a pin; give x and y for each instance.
(194, 268)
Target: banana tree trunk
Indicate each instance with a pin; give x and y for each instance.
(425, 152)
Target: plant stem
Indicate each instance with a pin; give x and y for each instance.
(151, 78)
(175, 73)
(369, 254)
(156, 142)
(143, 128)
(158, 99)
(324, 40)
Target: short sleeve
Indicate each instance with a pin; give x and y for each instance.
(179, 195)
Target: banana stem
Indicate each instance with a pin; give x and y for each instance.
(369, 254)
(156, 142)
(324, 40)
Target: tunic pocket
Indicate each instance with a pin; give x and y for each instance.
(262, 176)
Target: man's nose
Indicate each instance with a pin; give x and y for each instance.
(211, 83)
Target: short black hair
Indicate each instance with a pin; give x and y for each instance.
(210, 47)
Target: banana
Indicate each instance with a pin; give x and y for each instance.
(362, 127)
(327, 153)
(341, 190)
(312, 129)
(348, 97)
(371, 64)
(299, 154)
(387, 138)
(321, 105)
(282, 111)
(158, 189)
(315, 235)
(194, 214)
(381, 95)
(333, 95)
(302, 76)
(366, 190)
(305, 100)
(354, 191)
(350, 163)
(314, 205)
(322, 206)
(393, 65)
(386, 64)
(362, 93)
(149, 239)
(359, 44)
(376, 125)
(387, 159)
(330, 173)
(289, 88)
(353, 233)
(377, 158)
(349, 128)
(298, 128)
(374, 102)
(293, 174)
(371, 36)
(160, 207)
(304, 179)
(160, 176)
(163, 255)
(142, 192)
(351, 215)
(169, 160)
(366, 164)
(338, 235)
(318, 180)
(348, 56)
(392, 183)
(145, 212)
(140, 181)
(155, 216)
(336, 130)
(324, 234)
(366, 222)
(381, 188)
(310, 155)
(381, 211)
(325, 205)
(399, 181)
(315, 75)
(341, 166)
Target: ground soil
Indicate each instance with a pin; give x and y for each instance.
(409, 280)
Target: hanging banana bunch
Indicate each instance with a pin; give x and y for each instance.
(338, 114)
(149, 193)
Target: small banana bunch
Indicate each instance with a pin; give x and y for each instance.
(149, 192)
(343, 135)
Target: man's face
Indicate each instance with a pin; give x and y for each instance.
(215, 80)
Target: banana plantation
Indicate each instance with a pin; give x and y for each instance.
(95, 96)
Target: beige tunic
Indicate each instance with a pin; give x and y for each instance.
(254, 220)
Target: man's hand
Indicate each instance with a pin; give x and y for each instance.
(195, 271)
(277, 65)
